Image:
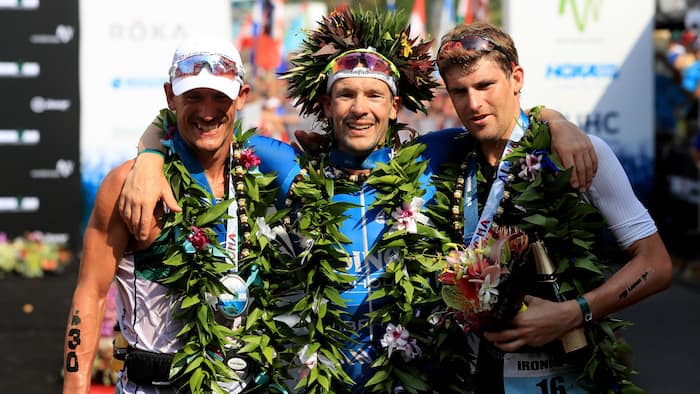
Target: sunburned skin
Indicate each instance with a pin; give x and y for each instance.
(73, 343)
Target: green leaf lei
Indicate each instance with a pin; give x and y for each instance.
(317, 274)
(295, 306)
(195, 270)
(548, 207)
(415, 300)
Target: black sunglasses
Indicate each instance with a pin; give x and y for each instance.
(473, 42)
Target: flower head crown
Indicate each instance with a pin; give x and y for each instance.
(346, 30)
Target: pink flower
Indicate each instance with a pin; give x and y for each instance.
(198, 238)
(249, 159)
(409, 215)
(35, 236)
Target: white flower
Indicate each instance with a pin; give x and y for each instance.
(488, 292)
(399, 339)
(284, 240)
(309, 361)
(317, 304)
(264, 229)
(529, 165)
(210, 300)
(409, 215)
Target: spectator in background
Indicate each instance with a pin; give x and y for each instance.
(271, 123)
(440, 115)
(695, 150)
(690, 70)
(670, 99)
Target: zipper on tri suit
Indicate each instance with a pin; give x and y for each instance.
(365, 252)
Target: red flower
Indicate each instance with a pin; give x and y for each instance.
(468, 289)
(170, 133)
(198, 238)
(249, 159)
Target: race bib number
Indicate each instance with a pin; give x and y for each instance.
(538, 373)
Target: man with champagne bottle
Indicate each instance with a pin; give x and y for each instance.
(519, 184)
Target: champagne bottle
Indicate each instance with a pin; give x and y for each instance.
(547, 282)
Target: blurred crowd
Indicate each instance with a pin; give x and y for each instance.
(677, 94)
(675, 203)
(677, 87)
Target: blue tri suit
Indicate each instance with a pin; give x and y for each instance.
(363, 227)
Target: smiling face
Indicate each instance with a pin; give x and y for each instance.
(205, 118)
(486, 100)
(359, 110)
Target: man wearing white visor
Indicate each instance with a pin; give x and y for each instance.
(205, 89)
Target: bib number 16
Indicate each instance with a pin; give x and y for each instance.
(552, 385)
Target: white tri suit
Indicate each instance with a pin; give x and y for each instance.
(629, 221)
(363, 227)
(145, 311)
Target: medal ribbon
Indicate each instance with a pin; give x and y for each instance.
(227, 234)
(475, 227)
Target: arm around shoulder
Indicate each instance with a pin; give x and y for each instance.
(146, 185)
(573, 147)
(106, 239)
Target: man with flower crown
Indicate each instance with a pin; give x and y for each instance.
(345, 301)
(205, 88)
(515, 186)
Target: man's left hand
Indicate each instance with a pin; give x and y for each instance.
(542, 322)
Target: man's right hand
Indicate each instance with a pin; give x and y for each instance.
(144, 187)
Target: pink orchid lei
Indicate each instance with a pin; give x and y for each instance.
(418, 340)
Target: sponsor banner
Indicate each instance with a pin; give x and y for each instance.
(39, 128)
(126, 48)
(592, 60)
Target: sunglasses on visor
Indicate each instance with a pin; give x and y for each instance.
(219, 66)
(364, 58)
(473, 42)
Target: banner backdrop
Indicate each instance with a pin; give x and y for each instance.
(39, 125)
(126, 48)
(592, 60)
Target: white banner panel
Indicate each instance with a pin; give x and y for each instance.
(592, 60)
(125, 52)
